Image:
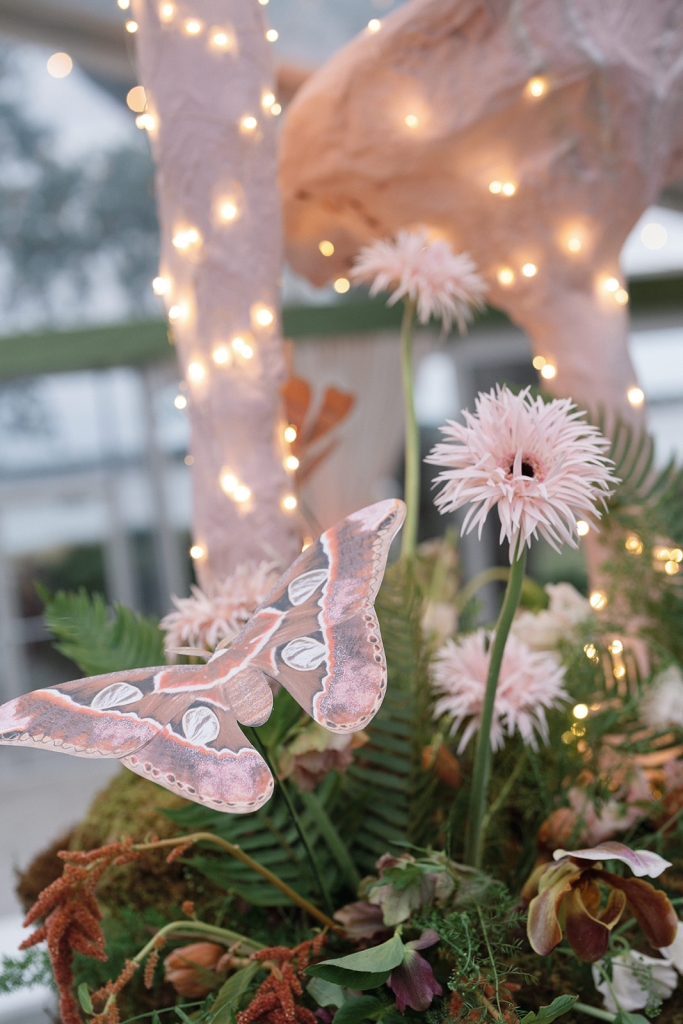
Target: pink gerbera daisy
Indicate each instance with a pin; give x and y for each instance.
(203, 621)
(530, 682)
(443, 283)
(539, 462)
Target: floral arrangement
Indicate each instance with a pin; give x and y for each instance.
(503, 842)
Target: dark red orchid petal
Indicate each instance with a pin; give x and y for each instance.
(651, 907)
(588, 935)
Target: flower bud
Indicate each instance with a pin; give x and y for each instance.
(192, 969)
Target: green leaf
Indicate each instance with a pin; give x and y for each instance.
(368, 968)
(229, 995)
(360, 1008)
(325, 993)
(546, 1014)
(84, 997)
(96, 639)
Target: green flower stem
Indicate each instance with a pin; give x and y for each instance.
(411, 486)
(474, 839)
(195, 929)
(593, 1011)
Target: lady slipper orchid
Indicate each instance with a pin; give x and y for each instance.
(569, 891)
(413, 982)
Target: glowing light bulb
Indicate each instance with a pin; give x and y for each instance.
(590, 650)
(635, 396)
(229, 482)
(136, 99)
(611, 284)
(59, 65)
(276, 109)
(289, 502)
(262, 315)
(341, 285)
(616, 647)
(671, 568)
(196, 372)
(242, 348)
(263, 3)
(272, 35)
(180, 402)
(621, 296)
(166, 12)
(161, 286)
(267, 100)
(530, 270)
(146, 121)
(654, 236)
(633, 544)
(509, 188)
(548, 371)
(676, 555)
(580, 711)
(574, 244)
(598, 600)
(123, 4)
(326, 248)
(228, 210)
(506, 276)
(241, 493)
(374, 25)
(197, 551)
(248, 123)
(220, 355)
(411, 120)
(132, 27)
(186, 239)
(535, 87)
(496, 187)
(582, 527)
(178, 312)
(291, 462)
(193, 27)
(538, 362)
(290, 434)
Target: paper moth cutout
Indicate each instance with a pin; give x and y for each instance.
(316, 634)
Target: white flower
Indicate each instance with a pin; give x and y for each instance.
(529, 683)
(538, 462)
(636, 978)
(662, 705)
(443, 284)
(542, 631)
(674, 952)
(203, 621)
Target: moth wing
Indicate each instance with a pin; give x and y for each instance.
(317, 632)
(203, 755)
(102, 716)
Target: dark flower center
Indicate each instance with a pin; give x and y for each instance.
(527, 469)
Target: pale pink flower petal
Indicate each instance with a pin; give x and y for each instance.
(641, 862)
(538, 462)
(443, 283)
(204, 620)
(530, 683)
(636, 977)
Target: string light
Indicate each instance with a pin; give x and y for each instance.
(591, 652)
(580, 711)
(635, 396)
(136, 99)
(621, 296)
(272, 35)
(166, 12)
(220, 355)
(671, 568)
(180, 402)
(598, 600)
(535, 87)
(611, 284)
(582, 527)
(248, 123)
(496, 187)
(326, 248)
(241, 493)
(290, 434)
(276, 109)
(178, 312)
(184, 240)
(509, 188)
(341, 285)
(548, 371)
(263, 3)
(193, 27)
(123, 4)
(242, 348)
(633, 544)
(267, 100)
(574, 244)
(374, 25)
(291, 462)
(538, 362)
(161, 286)
(196, 372)
(197, 551)
(411, 120)
(132, 27)
(506, 276)
(228, 210)
(289, 503)
(59, 65)
(229, 482)
(530, 270)
(222, 40)
(146, 121)
(262, 316)
(615, 647)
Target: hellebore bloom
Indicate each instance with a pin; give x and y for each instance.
(413, 982)
(570, 890)
(409, 885)
(636, 979)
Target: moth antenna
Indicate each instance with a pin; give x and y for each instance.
(191, 652)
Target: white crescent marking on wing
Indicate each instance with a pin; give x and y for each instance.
(115, 695)
(200, 725)
(301, 588)
(304, 653)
